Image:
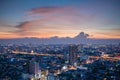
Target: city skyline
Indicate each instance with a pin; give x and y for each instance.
(65, 18)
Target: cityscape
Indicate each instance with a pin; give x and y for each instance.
(60, 62)
(59, 40)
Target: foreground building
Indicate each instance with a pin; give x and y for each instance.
(73, 54)
(34, 69)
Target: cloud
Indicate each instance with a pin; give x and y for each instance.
(26, 28)
(23, 25)
(60, 19)
(44, 10)
(82, 35)
(31, 25)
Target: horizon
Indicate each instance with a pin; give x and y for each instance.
(65, 18)
(57, 37)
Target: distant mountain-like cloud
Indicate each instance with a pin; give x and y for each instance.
(81, 38)
(82, 35)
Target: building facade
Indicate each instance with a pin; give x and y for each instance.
(73, 54)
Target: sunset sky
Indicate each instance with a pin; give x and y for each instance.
(62, 18)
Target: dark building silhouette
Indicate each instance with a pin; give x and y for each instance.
(73, 54)
(33, 67)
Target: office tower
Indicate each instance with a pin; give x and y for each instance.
(34, 69)
(73, 54)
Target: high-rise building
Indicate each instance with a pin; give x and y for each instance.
(73, 54)
(34, 69)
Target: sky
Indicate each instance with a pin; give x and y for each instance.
(62, 18)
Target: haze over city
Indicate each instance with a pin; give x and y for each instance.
(63, 18)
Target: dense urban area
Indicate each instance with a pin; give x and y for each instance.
(60, 62)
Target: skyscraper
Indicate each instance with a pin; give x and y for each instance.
(73, 54)
(34, 69)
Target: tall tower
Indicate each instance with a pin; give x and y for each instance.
(73, 54)
(34, 69)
